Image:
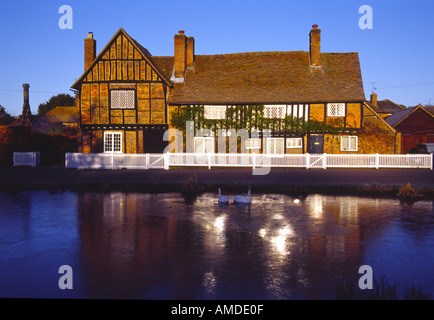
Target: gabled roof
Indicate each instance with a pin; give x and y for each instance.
(269, 77)
(143, 52)
(386, 106)
(400, 116)
(379, 118)
(36, 124)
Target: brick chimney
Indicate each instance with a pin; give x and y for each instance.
(89, 50)
(190, 52)
(180, 57)
(374, 99)
(315, 46)
(26, 105)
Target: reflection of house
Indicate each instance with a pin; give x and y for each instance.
(416, 125)
(311, 101)
(384, 108)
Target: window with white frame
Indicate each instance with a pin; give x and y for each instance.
(215, 112)
(204, 144)
(113, 142)
(336, 109)
(253, 144)
(275, 145)
(275, 111)
(349, 143)
(293, 143)
(122, 99)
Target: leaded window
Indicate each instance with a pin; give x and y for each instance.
(275, 145)
(215, 112)
(123, 99)
(336, 109)
(275, 111)
(293, 143)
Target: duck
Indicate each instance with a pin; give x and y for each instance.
(243, 199)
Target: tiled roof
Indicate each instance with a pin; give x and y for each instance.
(267, 77)
(386, 106)
(397, 117)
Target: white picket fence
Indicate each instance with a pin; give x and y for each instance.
(210, 160)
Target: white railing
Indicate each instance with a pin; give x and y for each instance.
(31, 159)
(167, 160)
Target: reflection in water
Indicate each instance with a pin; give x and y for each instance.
(154, 246)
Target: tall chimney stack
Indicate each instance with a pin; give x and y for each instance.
(180, 60)
(315, 46)
(89, 50)
(26, 105)
(190, 52)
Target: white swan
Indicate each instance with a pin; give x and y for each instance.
(222, 199)
(243, 199)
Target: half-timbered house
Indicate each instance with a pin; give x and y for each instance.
(311, 101)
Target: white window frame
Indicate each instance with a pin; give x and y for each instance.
(349, 143)
(278, 110)
(335, 109)
(111, 147)
(294, 143)
(122, 99)
(272, 142)
(204, 140)
(214, 112)
(253, 144)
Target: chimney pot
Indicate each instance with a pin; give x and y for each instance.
(181, 31)
(315, 26)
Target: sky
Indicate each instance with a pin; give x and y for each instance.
(396, 54)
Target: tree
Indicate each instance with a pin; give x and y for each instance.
(5, 118)
(60, 100)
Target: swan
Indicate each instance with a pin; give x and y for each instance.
(222, 199)
(243, 199)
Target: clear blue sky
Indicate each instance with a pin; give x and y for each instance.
(397, 54)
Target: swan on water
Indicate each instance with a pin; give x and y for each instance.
(243, 199)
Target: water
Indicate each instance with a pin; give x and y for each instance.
(154, 246)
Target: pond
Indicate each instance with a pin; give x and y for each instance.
(155, 246)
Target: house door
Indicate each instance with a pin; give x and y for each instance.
(315, 143)
(153, 141)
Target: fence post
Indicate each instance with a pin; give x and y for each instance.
(324, 161)
(307, 160)
(166, 161)
(377, 161)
